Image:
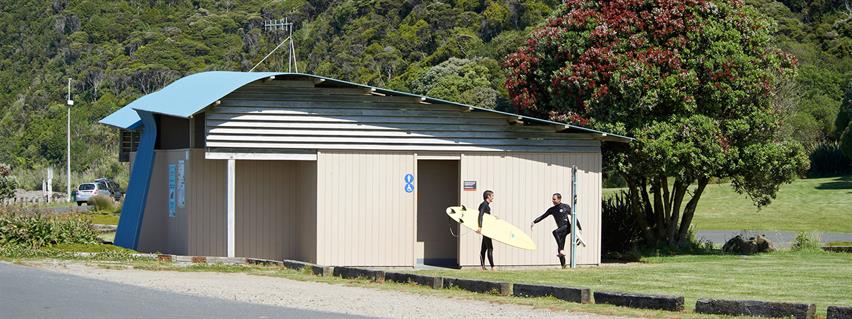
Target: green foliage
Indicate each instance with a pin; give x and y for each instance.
(695, 88)
(32, 228)
(7, 183)
(461, 80)
(846, 142)
(621, 234)
(828, 160)
(102, 203)
(844, 119)
(806, 241)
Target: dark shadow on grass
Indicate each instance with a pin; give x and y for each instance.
(842, 182)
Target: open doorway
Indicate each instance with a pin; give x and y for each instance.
(438, 188)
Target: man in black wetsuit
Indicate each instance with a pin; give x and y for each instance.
(487, 247)
(561, 214)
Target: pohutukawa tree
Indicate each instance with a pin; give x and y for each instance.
(692, 80)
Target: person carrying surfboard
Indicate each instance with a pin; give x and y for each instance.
(562, 215)
(487, 246)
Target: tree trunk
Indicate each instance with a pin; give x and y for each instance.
(680, 188)
(646, 202)
(658, 208)
(689, 210)
(667, 200)
(636, 207)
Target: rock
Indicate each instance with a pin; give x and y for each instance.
(753, 245)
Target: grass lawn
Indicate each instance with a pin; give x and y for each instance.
(103, 219)
(90, 248)
(813, 277)
(819, 204)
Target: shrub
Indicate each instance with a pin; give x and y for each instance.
(620, 233)
(32, 228)
(806, 241)
(7, 183)
(828, 160)
(102, 203)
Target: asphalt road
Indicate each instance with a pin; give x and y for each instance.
(32, 293)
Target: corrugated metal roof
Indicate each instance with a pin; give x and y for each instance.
(192, 94)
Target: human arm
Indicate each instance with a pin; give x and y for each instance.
(546, 213)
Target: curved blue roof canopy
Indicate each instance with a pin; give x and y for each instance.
(184, 97)
(192, 94)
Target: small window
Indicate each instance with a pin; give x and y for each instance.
(86, 187)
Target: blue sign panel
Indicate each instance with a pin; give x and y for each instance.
(409, 183)
(172, 186)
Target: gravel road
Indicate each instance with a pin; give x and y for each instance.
(311, 296)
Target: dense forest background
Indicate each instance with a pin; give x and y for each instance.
(119, 50)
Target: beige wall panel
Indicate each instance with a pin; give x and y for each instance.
(265, 209)
(206, 196)
(161, 233)
(364, 216)
(523, 184)
(153, 235)
(306, 215)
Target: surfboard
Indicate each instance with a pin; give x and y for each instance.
(580, 240)
(492, 227)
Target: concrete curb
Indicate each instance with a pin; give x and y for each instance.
(352, 273)
(578, 295)
(428, 281)
(755, 308)
(480, 286)
(642, 301)
(322, 271)
(839, 312)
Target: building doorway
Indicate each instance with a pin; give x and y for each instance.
(438, 188)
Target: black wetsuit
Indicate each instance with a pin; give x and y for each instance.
(562, 215)
(487, 246)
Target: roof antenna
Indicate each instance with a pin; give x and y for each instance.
(276, 25)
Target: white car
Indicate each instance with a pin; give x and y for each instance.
(88, 190)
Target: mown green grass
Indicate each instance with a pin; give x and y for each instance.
(818, 204)
(810, 276)
(90, 248)
(103, 219)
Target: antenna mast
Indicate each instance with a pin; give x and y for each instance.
(282, 25)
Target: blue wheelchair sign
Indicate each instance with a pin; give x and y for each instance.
(409, 183)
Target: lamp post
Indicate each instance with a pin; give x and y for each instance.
(68, 151)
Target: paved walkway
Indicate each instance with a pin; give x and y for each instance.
(781, 239)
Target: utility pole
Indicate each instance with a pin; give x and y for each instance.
(574, 216)
(70, 103)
